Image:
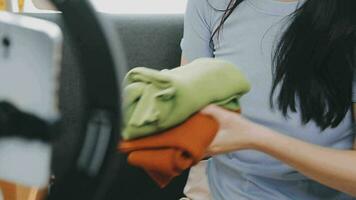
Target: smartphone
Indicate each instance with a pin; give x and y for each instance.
(30, 55)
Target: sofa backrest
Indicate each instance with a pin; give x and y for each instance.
(148, 40)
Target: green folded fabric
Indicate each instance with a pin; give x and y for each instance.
(158, 100)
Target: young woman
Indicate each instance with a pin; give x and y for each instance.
(295, 137)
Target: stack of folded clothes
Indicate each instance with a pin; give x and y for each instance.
(164, 133)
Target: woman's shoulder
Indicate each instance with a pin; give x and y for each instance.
(208, 11)
(209, 5)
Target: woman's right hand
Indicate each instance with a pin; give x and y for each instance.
(235, 132)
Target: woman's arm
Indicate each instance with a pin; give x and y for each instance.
(331, 167)
(334, 168)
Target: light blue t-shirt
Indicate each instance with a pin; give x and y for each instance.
(248, 39)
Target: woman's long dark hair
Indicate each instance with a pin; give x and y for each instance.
(314, 60)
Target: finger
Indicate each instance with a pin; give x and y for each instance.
(210, 110)
(218, 113)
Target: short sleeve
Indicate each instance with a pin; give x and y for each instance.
(196, 39)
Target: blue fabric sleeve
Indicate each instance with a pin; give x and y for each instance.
(197, 31)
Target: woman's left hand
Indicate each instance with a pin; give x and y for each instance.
(235, 132)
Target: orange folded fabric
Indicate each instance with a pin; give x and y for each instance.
(166, 155)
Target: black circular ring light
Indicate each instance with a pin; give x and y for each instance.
(95, 114)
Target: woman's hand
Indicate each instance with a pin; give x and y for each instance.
(338, 166)
(235, 132)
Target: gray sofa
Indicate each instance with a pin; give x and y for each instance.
(147, 40)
